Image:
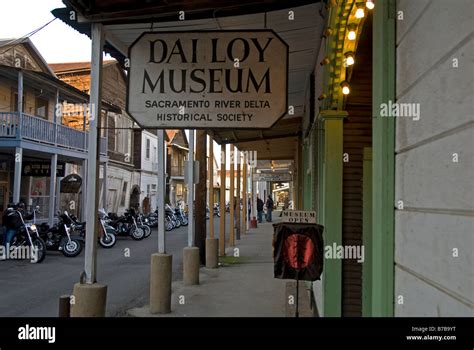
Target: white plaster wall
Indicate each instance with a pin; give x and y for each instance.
(147, 164)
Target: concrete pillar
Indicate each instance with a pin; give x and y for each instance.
(17, 174)
(191, 264)
(89, 300)
(160, 283)
(212, 253)
(52, 189)
(222, 203)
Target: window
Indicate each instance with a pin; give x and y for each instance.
(148, 190)
(41, 107)
(179, 189)
(147, 149)
(124, 194)
(122, 135)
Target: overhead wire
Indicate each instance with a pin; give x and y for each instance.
(18, 41)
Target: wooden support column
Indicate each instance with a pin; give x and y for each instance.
(232, 196)
(211, 186)
(237, 206)
(17, 174)
(52, 189)
(92, 198)
(245, 214)
(222, 204)
(333, 208)
(200, 225)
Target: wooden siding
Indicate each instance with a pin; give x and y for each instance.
(357, 135)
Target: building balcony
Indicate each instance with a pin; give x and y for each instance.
(16, 126)
(177, 171)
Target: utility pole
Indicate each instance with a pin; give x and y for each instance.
(201, 191)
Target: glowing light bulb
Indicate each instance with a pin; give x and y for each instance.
(349, 58)
(360, 13)
(345, 88)
(370, 4)
(351, 35)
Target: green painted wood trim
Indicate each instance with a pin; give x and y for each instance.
(367, 232)
(383, 146)
(300, 173)
(307, 175)
(333, 148)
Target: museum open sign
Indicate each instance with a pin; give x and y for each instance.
(208, 79)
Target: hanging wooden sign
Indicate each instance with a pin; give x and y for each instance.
(208, 79)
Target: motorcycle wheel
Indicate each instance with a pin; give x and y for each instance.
(72, 248)
(168, 225)
(107, 241)
(40, 247)
(137, 233)
(184, 222)
(147, 230)
(178, 223)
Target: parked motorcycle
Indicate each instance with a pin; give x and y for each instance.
(127, 225)
(170, 216)
(61, 237)
(181, 216)
(217, 211)
(144, 224)
(28, 236)
(108, 234)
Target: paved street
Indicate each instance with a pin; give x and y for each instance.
(33, 289)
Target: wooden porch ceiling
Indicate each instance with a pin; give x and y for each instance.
(164, 10)
(276, 143)
(271, 149)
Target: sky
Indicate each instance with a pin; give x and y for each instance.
(57, 42)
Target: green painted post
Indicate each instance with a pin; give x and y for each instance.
(383, 146)
(333, 142)
(367, 232)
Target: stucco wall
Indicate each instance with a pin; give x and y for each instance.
(437, 193)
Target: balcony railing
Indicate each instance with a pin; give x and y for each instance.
(29, 127)
(177, 170)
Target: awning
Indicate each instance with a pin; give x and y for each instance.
(301, 29)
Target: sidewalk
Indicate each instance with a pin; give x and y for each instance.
(241, 287)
